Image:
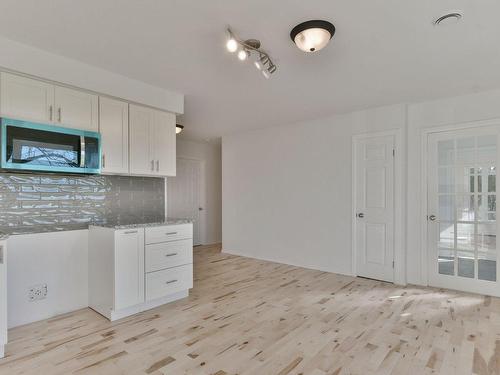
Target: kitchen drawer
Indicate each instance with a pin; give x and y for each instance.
(168, 254)
(172, 280)
(169, 233)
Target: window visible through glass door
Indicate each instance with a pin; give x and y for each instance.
(466, 195)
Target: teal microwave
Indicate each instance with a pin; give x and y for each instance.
(30, 146)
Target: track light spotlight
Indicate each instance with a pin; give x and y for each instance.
(247, 48)
(243, 54)
(232, 45)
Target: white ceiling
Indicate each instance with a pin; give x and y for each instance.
(384, 52)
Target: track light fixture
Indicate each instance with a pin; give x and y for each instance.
(250, 49)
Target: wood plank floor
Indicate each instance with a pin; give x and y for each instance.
(246, 316)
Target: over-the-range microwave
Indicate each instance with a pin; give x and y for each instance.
(30, 146)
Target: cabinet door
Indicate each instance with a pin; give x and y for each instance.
(3, 296)
(164, 143)
(140, 130)
(113, 126)
(26, 98)
(129, 268)
(76, 109)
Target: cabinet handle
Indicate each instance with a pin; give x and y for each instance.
(157, 166)
(130, 232)
(171, 281)
(170, 233)
(103, 160)
(152, 165)
(171, 255)
(59, 114)
(51, 110)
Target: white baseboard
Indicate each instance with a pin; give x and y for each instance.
(120, 314)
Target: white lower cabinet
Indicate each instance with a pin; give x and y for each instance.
(3, 297)
(129, 268)
(129, 274)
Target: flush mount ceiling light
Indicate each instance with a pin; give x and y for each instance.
(312, 36)
(178, 128)
(250, 50)
(448, 19)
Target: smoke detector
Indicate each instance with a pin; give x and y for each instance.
(448, 19)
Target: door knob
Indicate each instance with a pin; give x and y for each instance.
(200, 208)
(432, 218)
(360, 215)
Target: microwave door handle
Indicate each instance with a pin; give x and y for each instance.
(82, 151)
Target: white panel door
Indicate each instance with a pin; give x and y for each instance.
(184, 194)
(164, 143)
(141, 123)
(374, 186)
(76, 109)
(129, 268)
(113, 126)
(461, 210)
(26, 98)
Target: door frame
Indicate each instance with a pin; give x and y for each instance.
(424, 134)
(399, 215)
(201, 194)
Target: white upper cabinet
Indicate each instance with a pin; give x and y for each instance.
(26, 98)
(152, 142)
(140, 129)
(30, 99)
(164, 152)
(76, 109)
(136, 140)
(113, 126)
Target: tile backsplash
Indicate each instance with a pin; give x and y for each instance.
(38, 203)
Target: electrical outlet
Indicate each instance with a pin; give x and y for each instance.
(37, 292)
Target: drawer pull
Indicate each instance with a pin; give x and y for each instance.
(130, 231)
(171, 281)
(171, 233)
(171, 255)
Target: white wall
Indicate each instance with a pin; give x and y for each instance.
(59, 260)
(209, 153)
(287, 190)
(29, 60)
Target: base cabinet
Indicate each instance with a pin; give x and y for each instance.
(3, 297)
(133, 270)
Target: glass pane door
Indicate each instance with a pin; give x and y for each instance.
(462, 194)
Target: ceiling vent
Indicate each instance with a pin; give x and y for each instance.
(448, 19)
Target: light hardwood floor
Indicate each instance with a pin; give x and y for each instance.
(246, 316)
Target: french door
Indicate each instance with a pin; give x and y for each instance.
(462, 214)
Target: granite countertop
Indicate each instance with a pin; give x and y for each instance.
(6, 232)
(144, 225)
